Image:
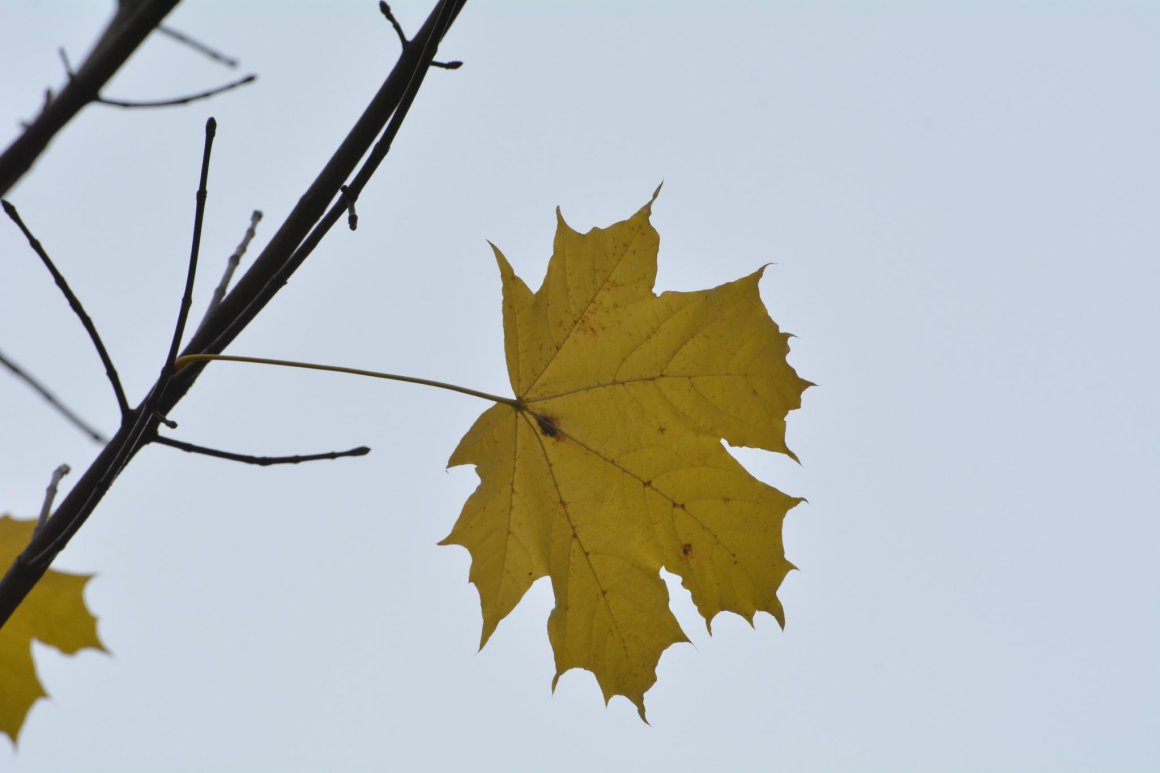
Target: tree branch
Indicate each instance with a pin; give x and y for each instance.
(194, 251)
(128, 28)
(151, 103)
(304, 228)
(148, 103)
(51, 399)
(424, 49)
(75, 303)
(232, 263)
(389, 15)
(262, 461)
(260, 283)
(197, 45)
(50, 495)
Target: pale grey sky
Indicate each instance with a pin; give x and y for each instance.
(960, 200)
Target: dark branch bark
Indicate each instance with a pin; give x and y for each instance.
(285, 252)
(124, 34)
(306, 224)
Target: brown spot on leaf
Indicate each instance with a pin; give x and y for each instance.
(548, 426)
(687, 549)
(589, 326)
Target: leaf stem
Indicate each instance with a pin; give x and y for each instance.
(186, 359)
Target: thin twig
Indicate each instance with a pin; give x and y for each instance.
(387, 13)
(232, 265)
(68, 70)
(47, 101)
(52, 399)
(385, 10)
(50, 495)
(155, 397)
(77, 308)
(261, 461)
(198, 46)
(349, 193)
(187, 297)
(127, 29)
(146, 103)
(254, 300)
(351, 214)
(259, 284)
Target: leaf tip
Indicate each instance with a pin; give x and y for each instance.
(489, 626)
(505, 268)
(637, 700)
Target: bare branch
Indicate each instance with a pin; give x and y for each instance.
(51, 399)
(270, 271)
(49, 495)
(389, 15)
(47, 101)
(77, 308)
(68, 70)
(194, 250)
(261, 461)
(349, 193)
(149, 103)
(232, 265)
(128, 28)
(351, 215)
(197, 46)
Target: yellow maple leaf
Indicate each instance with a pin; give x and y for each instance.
(54, 613)
(609, 465)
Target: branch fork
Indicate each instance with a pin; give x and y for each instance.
(294, 241)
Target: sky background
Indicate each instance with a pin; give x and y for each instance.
(960, 200)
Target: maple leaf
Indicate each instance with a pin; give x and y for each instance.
(608, 466)
(54, 613)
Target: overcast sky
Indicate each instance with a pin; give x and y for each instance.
(960, 200)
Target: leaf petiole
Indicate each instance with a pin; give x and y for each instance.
(186, 359)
